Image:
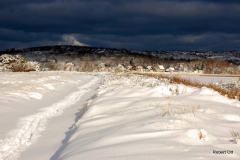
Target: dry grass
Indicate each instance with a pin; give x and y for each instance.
(235, 135)
(52, 66)
(20, 67)
(201, 136)
(234, 94)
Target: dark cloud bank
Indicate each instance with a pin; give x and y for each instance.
(136, 24)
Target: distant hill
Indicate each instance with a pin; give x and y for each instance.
(69, 52)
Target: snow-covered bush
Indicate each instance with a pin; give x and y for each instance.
(120, 68)
(69, 66)
(101, 67)
(20, 59)
(230, 85)
(35, 66)
(8, 59)
(17, 63)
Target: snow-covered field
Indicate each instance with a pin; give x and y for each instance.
(202, 78)
(70, 115)
(209, 79)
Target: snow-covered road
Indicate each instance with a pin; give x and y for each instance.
(29, 128)
(71, 116)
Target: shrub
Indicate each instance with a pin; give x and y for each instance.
(51, 66)
(20, 67)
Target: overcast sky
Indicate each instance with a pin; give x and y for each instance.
(131, 24)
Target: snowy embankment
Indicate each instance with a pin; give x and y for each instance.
(51, 115)
(142, 118)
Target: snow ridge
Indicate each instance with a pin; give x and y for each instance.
(30, 127)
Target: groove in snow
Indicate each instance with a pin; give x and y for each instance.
(30, 127)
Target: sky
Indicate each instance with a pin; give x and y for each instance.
(154, 25)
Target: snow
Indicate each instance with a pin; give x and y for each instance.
(70, 115)
(209, 79)
(25, 123)
(201, 77)
(129, 121)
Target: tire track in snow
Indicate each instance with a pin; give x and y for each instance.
(30, 127)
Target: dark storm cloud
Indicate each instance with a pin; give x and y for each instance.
(136, 24)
